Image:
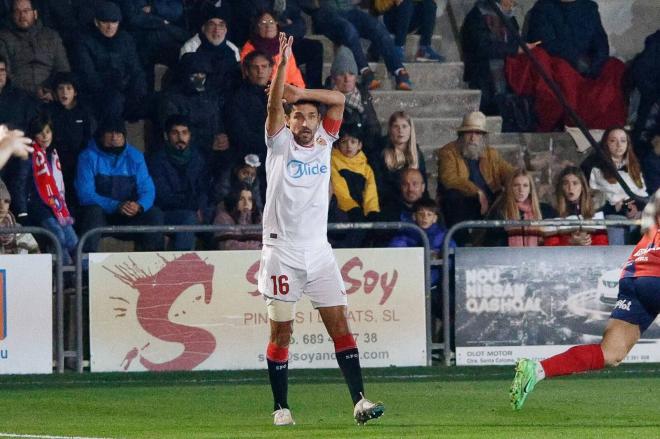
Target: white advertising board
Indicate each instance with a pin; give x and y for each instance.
(26, 314)
(201, 311)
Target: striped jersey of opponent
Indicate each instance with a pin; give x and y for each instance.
(296, 257)
(298, 183)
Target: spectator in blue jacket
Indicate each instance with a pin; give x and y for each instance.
(114, 187)
(426, 217)
(109, 68)
(181, 180)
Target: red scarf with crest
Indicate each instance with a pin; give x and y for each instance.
(49, 182)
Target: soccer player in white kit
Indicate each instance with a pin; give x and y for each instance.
(296, 258)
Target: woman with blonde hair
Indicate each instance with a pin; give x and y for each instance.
(573, 201)
(400, 151)
(519, 201)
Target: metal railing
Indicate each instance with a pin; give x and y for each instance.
(252, 229)
(447, 251)
(59, 285)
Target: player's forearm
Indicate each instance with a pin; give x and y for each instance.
(327, 97)
(277, 87)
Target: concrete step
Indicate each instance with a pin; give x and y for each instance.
(429, 103)
(424, 76)
(412, 44)
(441, 130)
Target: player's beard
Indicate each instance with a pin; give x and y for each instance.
(304, 136)
(472, 150)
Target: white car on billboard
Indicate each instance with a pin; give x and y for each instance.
(608, 286)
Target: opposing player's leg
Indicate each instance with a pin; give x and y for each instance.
(634, 312)
(618, 339)
(348, 358)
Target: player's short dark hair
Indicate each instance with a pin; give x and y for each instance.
(427, 204)
(288, 108)
(253, 55)
(176, 119)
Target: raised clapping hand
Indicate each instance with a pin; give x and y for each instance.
(285, 47)
(13, 142)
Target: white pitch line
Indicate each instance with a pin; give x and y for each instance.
(38, 436)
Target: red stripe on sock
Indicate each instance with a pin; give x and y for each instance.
(344, 343)
(576, 359)
(277, 353)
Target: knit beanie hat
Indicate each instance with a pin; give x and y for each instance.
(344, 62)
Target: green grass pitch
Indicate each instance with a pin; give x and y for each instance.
(420, 403)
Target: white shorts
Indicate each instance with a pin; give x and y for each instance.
(287, 273)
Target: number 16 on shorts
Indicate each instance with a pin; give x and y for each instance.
(280, 285)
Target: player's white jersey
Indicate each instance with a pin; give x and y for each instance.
(297, 194)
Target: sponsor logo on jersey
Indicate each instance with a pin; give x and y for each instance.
(623, 304)
(299, 169)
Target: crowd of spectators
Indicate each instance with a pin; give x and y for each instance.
(71, 77)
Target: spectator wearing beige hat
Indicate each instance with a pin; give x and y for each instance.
(470, 173)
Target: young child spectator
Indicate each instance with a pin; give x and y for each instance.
(574, 202)
(399, 152)
(244, 173)
(519, 201)
(426, 217)
(352, 178)
(241, 210)
(73, 126)
(616, 145)
(265, 38)
(13, 243)
(39, 190)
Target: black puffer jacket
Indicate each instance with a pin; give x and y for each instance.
(104, 63)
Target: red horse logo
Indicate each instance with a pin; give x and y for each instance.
(157, 294)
